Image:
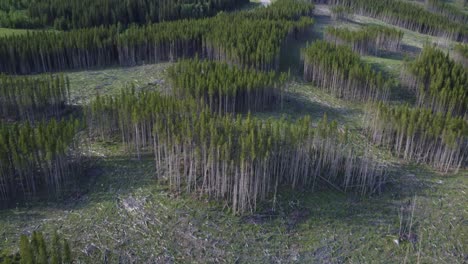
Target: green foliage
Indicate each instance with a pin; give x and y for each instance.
(370, 39)
(340, 71)
(75, 14)
(67, 257)
(37, 159)
(32, 98)
(250, 39)
(462, 49)
(226, 88)
(26, 251)
(461, 54)
(440, 83)
(420, 135)
(239, 160)
(446, 9)
(410, 16)
(340, 12)
(34, 251)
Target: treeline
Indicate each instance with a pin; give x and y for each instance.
(33, 98)
(13, 15)
(246, 38)
(461, 54)
(439, 82)
(368, 40)
(37, 160)
(282, 10)
(341, 12)
(36, 250)
(408, 15)
(420, 135)
(226, 88)
(239, 160)
(340, 71)
(76, 14)
(451, 12)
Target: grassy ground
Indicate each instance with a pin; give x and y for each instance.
(87, 84)
(143, 222)
(123, 213)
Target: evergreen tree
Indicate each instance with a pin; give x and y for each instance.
(439, 82)
(239, 160)
(26, 252)
(340, 71)
(370, 39)
(226, 88)
(251, 39)
(419, 135)
(408, 15)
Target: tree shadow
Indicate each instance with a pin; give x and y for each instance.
(296, 105)
(296, 208)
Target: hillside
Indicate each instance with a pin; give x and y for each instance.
(257, 135)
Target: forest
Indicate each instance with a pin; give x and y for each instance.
(38, 159)
(24, 98)
(410, 16)
(340, 71)
(461, 54)
(40, 52)
(229, 157)
(237, 131)
(421, 135)
(439, 82)
(369, 40)
(225, 88)
(76, 14)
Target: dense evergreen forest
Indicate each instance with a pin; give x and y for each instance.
(226, 88)
(369, 40)
(75, 14)
(37, 250)
(38, 160)
(439, 82)
(410, 16)
(339, 70)
(250, 39)
(420, 135)
(239, 160)
(33, 98)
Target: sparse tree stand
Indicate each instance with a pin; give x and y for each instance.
(340, 71)
(417, 134)
(239, 160)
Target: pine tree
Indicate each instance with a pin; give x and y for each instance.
(26, 252)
